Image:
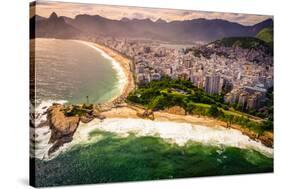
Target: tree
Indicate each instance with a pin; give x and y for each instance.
(229, 120)
(189, 107)
(268, 125)
(214, 111)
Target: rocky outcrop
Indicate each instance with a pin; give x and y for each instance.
(266, 138)
(62, 127)
(86, 118)
(146, 114)
(64, 121)
(267, 141)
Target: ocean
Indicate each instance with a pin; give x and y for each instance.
(118, 150)
(71, 70)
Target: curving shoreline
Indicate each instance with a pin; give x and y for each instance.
(117, 108)
(180, 133)
(62, 127)
(125, 65)
(266, 138)
(130, 111)
(122, 66)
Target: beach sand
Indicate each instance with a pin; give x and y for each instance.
(130, 111)
(125, 64)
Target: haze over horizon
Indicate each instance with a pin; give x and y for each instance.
(45, 9)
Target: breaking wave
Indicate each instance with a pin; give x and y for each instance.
(41, 133)
(173, 132)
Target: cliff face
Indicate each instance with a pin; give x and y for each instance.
(62, 127)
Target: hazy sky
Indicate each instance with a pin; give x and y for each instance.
(118, 12)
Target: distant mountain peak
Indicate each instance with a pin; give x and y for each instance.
(196, 30)
(259, 26)
(142, 19)
(38, 18)
(199, 20)
(159, 20)
(125, 19)
(95, 17)
(53, 16)
(268, 21)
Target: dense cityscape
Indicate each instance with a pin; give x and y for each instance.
(242, 75)
(123, 93)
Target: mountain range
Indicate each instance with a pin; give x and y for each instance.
(196, 30)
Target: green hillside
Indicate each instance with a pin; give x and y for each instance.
(243, 42)
(246, 43)
(266, 35)
(167, 92)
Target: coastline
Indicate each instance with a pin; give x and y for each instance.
(124, 119)
(122, 66)
(181, 134)
(125, 65)
(117, 108)
(130, 111)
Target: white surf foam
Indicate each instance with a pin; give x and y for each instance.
(179, 133)
(40, 135)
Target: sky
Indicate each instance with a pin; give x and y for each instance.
(45, 8)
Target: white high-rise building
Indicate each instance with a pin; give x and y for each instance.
(213, 84)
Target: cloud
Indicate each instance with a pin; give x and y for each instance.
(185, 13)
(138, 15)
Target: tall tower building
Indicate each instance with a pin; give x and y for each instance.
(213, 84)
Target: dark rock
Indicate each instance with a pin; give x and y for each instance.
(62, 127)
(59, 143)
(86, 118)
(266, 141)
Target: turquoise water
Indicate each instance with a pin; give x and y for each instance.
(70, 70)
(115, 159)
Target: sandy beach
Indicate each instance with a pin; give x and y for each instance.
(131, 111)
(125, 64)
(131, 114)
